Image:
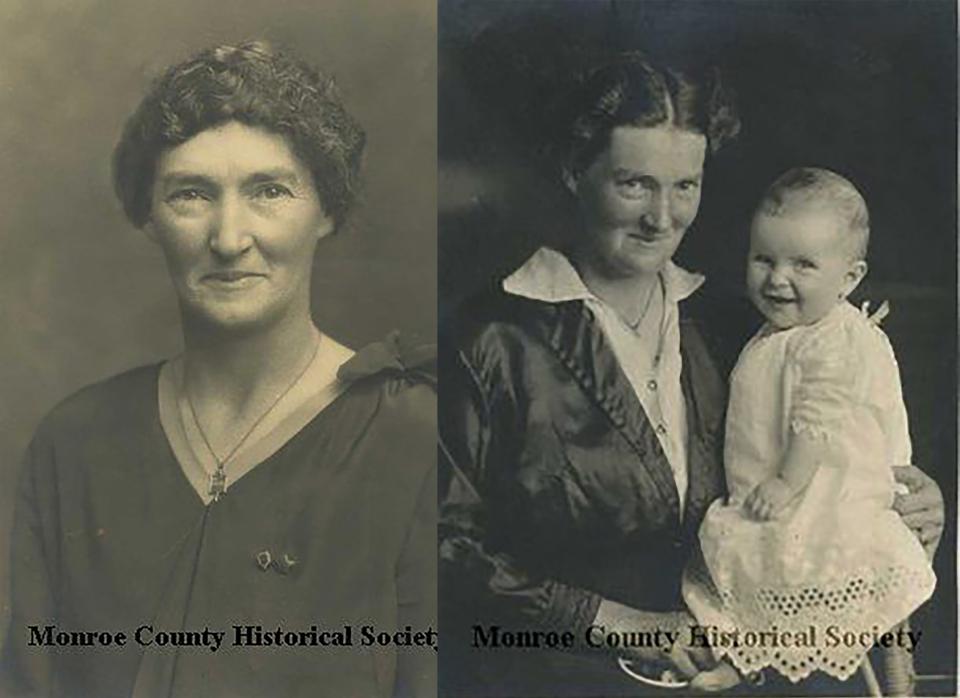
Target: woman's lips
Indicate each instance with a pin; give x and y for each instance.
(231, 279)
(648, 239)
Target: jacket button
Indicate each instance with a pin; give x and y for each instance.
(651, 384)
(661, 429)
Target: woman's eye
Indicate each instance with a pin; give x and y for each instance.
(186, 195)
(272, 192)
(688, 186)
(188, 201)
(633, 188)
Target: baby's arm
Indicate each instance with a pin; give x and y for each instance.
(804, 455)
(827, 368)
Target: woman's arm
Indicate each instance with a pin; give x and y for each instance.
(474, 438)
(494, 586)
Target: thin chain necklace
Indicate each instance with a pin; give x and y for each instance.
(218, 479)
(658, 350)
(646, 308)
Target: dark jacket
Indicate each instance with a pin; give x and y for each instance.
(555, 492)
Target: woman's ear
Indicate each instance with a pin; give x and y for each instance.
(325, 226)
(854, 276)
(149, 230)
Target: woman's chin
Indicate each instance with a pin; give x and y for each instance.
(236, 316)
(641, 265)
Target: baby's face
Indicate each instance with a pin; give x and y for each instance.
(799, 268)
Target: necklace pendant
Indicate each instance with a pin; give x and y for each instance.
(218, 483)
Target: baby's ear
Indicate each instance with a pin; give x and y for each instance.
(854, 276)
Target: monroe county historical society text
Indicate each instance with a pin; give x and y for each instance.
(597, 636)
(238, 636)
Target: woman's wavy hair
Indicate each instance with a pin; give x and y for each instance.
(632, 91)
(255, 85)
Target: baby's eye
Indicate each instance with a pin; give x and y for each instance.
(272, 192)
(762, 259)
(805, 264)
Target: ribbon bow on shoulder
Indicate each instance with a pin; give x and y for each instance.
(878, 315)
(393, 356)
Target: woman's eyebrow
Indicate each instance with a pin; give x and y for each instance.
(628, 172)
(181, 177)
(277, 174)
(281, 174)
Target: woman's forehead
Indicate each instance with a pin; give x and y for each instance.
(230, 148)
(662, 149)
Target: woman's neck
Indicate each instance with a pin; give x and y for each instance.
(629, 296)
(230, 374)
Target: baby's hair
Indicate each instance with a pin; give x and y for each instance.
(814, 186)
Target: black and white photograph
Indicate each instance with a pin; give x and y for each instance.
(697, 348)
(218, 295)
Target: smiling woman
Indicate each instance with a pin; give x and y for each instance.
(238, 218)
(266, 476)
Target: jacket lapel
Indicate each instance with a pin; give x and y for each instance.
(705, 408)
(575, 337)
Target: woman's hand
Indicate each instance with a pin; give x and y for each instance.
(675, 654)
(922, 508)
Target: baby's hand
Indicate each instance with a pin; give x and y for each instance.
(768, 499)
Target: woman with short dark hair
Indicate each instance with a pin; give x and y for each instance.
(252, 514)
(257, 86)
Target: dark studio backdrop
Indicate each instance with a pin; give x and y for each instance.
(864, 88)
(83, 295)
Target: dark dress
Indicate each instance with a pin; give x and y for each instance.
(109, 536)
(556, 492)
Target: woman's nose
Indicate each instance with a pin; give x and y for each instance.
(230, 234)
(660, 213)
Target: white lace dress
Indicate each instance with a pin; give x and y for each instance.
(839, 559)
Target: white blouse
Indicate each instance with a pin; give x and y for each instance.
(550, 277)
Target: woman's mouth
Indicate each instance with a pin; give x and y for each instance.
(652, 239)
(231, 278)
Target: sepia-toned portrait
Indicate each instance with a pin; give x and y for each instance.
(218, 422)
(697, 407)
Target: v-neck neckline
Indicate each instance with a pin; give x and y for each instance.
(319, 389)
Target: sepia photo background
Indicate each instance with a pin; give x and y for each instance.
(84, 295)
(865, 88)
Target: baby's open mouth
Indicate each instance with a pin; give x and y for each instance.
(779, 300)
